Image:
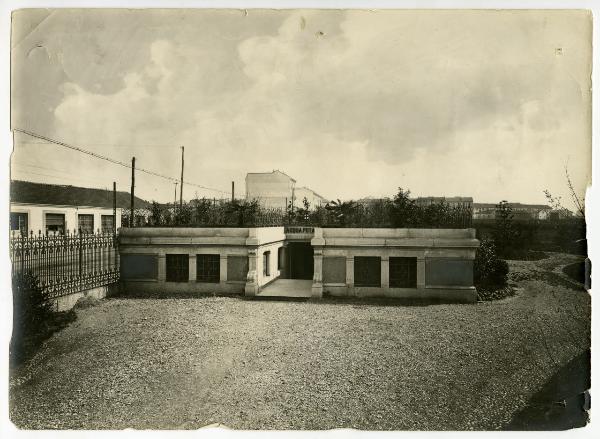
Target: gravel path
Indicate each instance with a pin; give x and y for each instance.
(250, 364)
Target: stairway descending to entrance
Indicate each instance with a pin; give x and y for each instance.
(297, 288)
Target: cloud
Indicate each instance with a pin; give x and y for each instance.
(401, 97)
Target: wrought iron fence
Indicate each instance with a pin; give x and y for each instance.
(66, 264)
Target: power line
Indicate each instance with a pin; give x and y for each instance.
(109, 159)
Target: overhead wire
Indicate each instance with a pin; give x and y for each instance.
(112, 160)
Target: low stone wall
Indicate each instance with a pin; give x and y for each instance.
(240, 252)
(433, 264)
(67, 302)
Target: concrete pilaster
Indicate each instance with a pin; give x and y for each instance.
(385, 272)
(162, 268)
(350, 271)
(420, 272)
(317, 286)
(223, 268)
(251, 288)
(192, 268)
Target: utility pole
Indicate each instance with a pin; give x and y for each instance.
(181, 187)
(175, 197)
(232, 191)
(131, 216)
(115, 208)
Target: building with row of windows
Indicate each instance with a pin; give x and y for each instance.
(56, 209)
(487, 211)
(399, 263)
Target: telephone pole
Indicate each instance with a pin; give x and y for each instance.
(181, 187)
(131, 216)
(115, 208)
(232, 191)
(175, 197)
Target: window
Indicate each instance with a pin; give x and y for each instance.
(107, 223)
(267, 263)
(208, 268)
(19, 221)
(85, 223)
(280, 258)
(177, 268)
(55, 223)
(403, 272)
(367, 271)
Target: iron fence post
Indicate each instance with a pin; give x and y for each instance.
(80, 253)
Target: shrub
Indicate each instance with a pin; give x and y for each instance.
(490, 272)
(31, 304)
(33, 317)
(504, 233)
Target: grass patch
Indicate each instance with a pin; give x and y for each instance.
(576, 271)
(24, 345)
(527, 255)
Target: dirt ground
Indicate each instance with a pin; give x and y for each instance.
(255, 364)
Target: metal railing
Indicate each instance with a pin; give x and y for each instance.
(66, 264)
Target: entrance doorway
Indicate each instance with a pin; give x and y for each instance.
(300, 260)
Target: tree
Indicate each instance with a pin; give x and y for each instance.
(202, 211)
(504, 233)
(341, 212)
(489, 271)
(156, 214)
(404, 210)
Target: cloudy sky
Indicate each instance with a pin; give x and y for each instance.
(486, 104)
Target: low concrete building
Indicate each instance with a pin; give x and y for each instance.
(55, 209)
(400, 263)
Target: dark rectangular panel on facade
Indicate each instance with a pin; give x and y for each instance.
(334, 270)
(403, 272)
(444, 272)
(367, 271)
(139, 267)
(208, 268)
(178, 268)
(237, 268)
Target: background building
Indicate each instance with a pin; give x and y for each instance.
(313, 198)
(54, 209)
(276, 189)
(519, 211)
(451, 201)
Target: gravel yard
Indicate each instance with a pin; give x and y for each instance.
(258, 364)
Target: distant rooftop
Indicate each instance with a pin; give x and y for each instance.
(309, 189)
(517, 205)
(272, 172)
(451, 199)
(62, 195)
